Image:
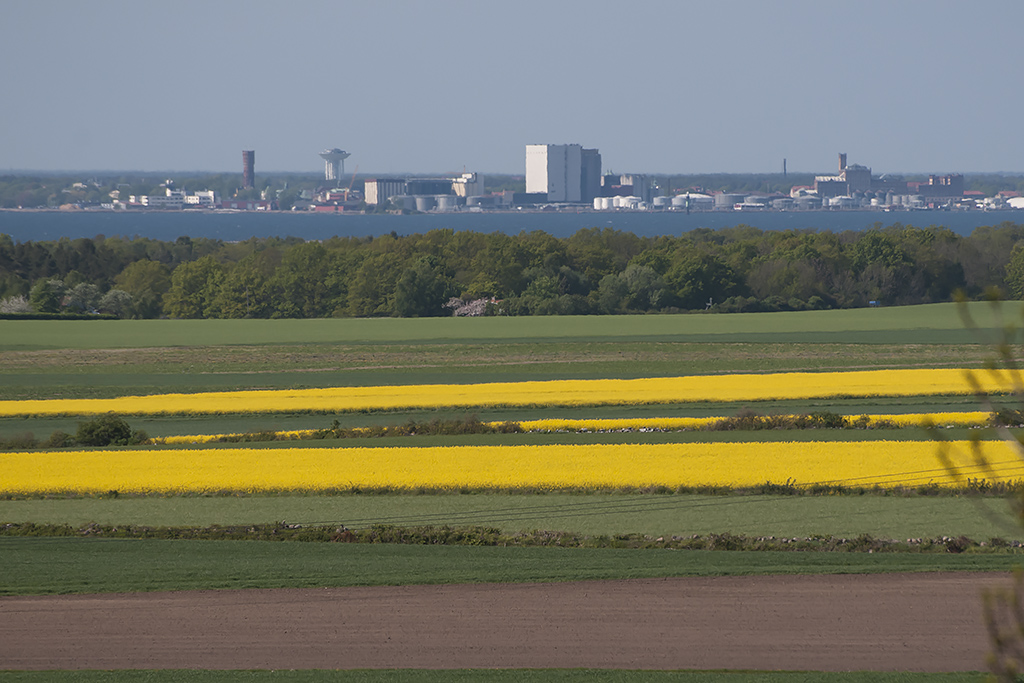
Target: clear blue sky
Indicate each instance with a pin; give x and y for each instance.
(662, 86)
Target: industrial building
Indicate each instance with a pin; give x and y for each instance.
(468, 185)
(378, 190)
(565, 173)
(627, 185)
(853, 179)
(950, 186)
(425, 194)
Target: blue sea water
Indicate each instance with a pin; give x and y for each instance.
(25, 226)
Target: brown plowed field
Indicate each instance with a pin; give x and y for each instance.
(912, 622)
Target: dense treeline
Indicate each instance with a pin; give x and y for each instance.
(593, 271)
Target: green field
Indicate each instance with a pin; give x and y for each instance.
(926, 324)
(881, 516)
(74, 565)
(53, 359)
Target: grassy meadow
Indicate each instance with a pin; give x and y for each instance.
(588, 514)
(39, 566)
(925, 324)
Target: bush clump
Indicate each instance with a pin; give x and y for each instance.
(108, 430)
(470, 424)
(749, 421)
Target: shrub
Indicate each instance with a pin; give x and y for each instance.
(105, 430)
(58, 439)
(15, 304)
(17, 442)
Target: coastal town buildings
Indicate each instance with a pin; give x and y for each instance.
(561, 177)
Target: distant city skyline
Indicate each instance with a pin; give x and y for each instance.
(659, 86)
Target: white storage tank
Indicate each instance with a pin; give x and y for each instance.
(728, 200)
(447, 202)
(404, 202)
(425, 202)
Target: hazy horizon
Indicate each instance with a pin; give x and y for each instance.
(665, 87)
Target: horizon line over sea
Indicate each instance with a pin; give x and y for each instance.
(31, 225)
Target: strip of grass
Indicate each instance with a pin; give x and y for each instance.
(33, 566)
(929, 324)
(490, 675)
(158, 425)
(897, 517)
(540, 439)
(98, 373)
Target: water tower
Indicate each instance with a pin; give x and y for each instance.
(334, 163)
(248, 169)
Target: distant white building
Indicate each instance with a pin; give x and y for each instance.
(204, 198)
(177, 199)
(379, 190)
(555, 170)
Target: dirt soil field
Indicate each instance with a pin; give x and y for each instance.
(909, 622)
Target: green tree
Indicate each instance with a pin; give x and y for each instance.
(46, 296)
(194, 286)
(246, 291)
(422, 290)
(301, 283)
(539, 298)
(372, 288)
(147, 282)
(701, 278)
(612, 294)
(1015, 272)
(646, 288)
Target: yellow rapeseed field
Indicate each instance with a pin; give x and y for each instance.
(927, 382)
(861, 463)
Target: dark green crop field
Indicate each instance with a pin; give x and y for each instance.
(882, 516)
(924, 324)
(75, 565)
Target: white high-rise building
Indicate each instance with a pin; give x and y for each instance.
(555, 170)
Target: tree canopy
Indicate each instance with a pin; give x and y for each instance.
(532, 273)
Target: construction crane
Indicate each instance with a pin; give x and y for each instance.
(348, 192)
